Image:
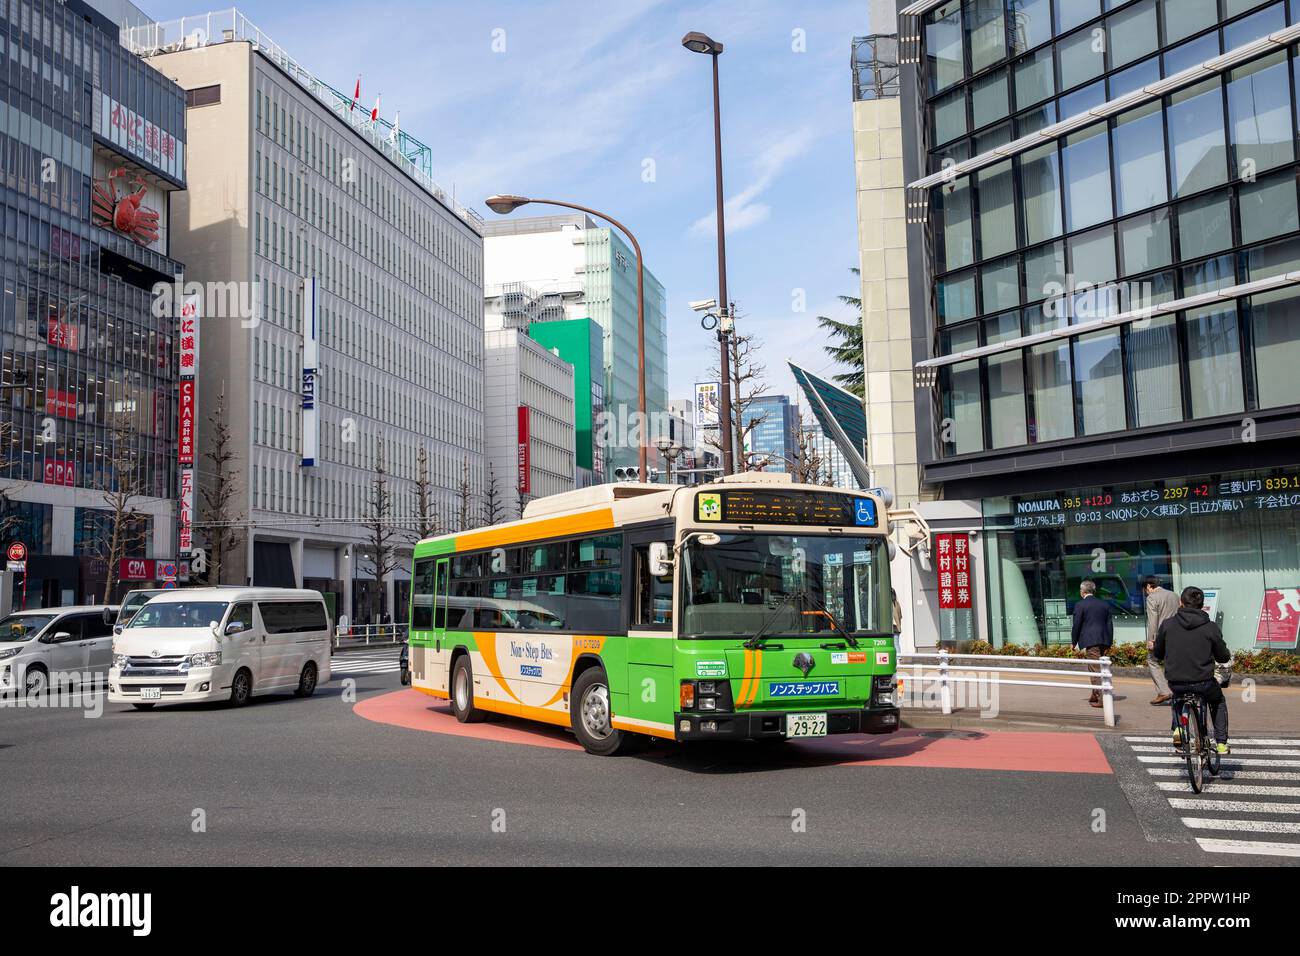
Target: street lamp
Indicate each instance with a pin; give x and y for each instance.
(702, 43)
(671, 451)
(504, 205)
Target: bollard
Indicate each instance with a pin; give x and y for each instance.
(945, 689)
(1107, 694)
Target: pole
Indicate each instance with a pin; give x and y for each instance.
(725, 436)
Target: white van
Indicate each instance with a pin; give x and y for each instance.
(221, 644)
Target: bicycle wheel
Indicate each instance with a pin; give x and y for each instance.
(1212, 759)
(1192, 735)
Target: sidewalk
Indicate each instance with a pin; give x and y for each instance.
(1273, 710)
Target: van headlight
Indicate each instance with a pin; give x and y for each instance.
(11, 652)
(120, 661)
(208, 659)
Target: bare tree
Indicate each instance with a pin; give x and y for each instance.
(381, 532)
(747, 383)
(493, 507)
(125, 528)
(524, 498)
(466, 495)
(222, 522)
(426, 521)
(807, 467)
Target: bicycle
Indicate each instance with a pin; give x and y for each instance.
(1191, 713)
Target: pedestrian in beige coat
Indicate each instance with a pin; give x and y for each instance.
(1162, 604)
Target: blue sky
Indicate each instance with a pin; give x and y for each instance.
(584, 94)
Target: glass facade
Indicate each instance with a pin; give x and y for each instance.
(88, 375)
(1183, 195)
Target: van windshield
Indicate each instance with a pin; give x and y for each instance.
(179, 614)
(23, 627)
(134, 601)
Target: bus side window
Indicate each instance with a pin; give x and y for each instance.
(654, 596)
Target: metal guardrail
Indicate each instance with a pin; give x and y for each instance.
(367, 635)
(946, 673)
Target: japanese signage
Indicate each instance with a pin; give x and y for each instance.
(136, 569)
(310, 364)
(59, 471)
(135, 136)
(185, 438)
(952, 567)
(63, 335)
(191, 315)
(525, 460)
(706, 405)
(1191, 499)
(815, 508)
(189, 336)
(63, 404)
(185, 511)
(1279, 619)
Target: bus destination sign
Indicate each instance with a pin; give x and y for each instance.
(813, 508)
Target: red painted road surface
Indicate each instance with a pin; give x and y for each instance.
(963, 750)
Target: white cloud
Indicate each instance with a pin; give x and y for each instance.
(742, 210)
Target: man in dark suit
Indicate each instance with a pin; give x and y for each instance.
(1093, 630)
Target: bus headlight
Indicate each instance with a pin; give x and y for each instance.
(882, 691)
(705, 695)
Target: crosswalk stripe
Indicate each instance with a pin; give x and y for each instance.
(1233, 806)
(1248, 846)
(1230, 763)
(1249, 741)
(1253, 826)
(1236, 775)
(1236, 751)
(1234, 787)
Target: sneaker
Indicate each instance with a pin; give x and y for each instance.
(1178, 736)
(1222, 749)
(1161, 699)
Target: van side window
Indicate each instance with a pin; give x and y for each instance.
(243, 613)
(94, 626)
(292, 617)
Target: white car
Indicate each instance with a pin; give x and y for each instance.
(224, 643)
(39, 648)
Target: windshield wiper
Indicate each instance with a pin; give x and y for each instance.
(825, 612)
(756, 641)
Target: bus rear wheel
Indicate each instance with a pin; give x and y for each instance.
(591, 713)
(462, 692)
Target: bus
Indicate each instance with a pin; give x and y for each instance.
(752, 608)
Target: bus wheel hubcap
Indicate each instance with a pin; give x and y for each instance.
(595, 712)
(460, 690)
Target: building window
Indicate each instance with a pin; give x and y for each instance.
(206, 96)
(1197, 151)
(943, 44)
(963, 408)
(1204, 225)
(995, 193)
(1006, 380)
(1275, 334)
(1086, 160)
(1145, 242)
(1099, 380)
(1268, 207)
(1259, 110)
(1041, 199)
(1214, 361)
(1139, 147)
(1052, 401)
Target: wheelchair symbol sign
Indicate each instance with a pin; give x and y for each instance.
(864, 513)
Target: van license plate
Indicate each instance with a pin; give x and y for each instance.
(805, 725)
(151, 693)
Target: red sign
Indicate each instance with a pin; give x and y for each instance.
(525, 462)
(185, 445)
(119, 209)
(59, 471)
(135, 569)
(952, 553)
(63, 335)
(64, 244)
(17, 551)
(189, 337)
(185, 511)
(63, 404)
(1279, 619)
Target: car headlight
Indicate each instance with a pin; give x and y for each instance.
(12, 652)
(208, 659)
(120, 661)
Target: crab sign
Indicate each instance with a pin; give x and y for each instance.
(121, 210)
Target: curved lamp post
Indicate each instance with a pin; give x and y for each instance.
(504, 205)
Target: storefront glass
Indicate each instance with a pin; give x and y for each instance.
(1237, 536)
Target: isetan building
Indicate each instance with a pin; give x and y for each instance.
(357, 316)
(1104, 272)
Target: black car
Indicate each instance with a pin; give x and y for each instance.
(404, 664)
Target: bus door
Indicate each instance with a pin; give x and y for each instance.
(441, 579)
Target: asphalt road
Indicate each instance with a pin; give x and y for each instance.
(289, 781)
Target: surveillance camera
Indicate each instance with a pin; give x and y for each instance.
(704, 305)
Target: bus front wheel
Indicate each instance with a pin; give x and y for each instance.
(591, 714)
(462, 692)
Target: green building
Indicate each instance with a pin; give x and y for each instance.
(581, 343)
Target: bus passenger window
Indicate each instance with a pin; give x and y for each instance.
(654, 601)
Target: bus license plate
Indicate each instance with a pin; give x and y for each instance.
(805, 725)
(151, 693)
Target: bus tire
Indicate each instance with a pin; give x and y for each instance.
(462, 692)
(591, 713)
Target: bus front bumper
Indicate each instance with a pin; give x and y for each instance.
(761, 725)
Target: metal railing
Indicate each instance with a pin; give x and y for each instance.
(367, 635)
(947, 674)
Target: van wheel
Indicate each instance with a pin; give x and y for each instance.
(591, 715)
(462, 692)
(143, 706)
(36, 681)
(306, 680)
(241, 688)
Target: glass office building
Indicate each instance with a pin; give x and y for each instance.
(1106, 294)
(92, 143)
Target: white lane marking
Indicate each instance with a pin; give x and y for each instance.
(1254, 826)
(1233, 806)
(1229, 763)
(1234, 788)
(1249, 741)
(1258, 847)
(1236, 751)
(1236, 774)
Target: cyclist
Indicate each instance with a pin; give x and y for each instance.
(1189, 644)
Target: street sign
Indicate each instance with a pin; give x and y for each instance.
(18, 567)
(17, 551)
(167, 570)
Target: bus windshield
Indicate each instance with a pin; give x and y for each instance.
(732, 588)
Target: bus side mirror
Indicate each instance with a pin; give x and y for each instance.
(661, 560)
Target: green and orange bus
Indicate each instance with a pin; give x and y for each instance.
(751, 608)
